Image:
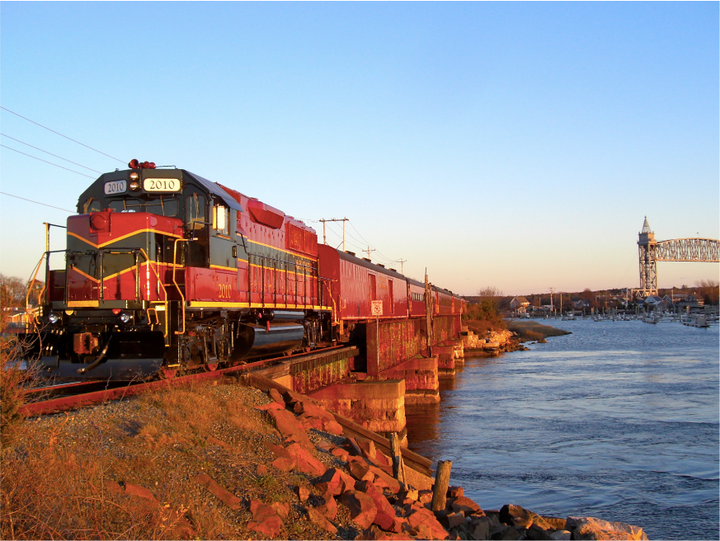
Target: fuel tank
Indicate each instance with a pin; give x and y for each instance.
(255, 341)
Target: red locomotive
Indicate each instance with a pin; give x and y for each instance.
(166, 271)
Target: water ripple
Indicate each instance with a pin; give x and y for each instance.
(617, 421)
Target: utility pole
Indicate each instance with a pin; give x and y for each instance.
(369, 250)
(402, 268)
(343, 220)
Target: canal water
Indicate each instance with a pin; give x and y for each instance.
(618, 420)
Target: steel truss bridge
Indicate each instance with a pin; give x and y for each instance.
(652, 251)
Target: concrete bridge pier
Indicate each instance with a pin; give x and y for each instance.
(450, 356)
(396, 370)
(376, 405)
(422, 385)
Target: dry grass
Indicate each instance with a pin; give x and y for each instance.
(12, 381)
(70, 476)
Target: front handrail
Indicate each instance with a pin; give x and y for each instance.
(177, 286)
(162, 285)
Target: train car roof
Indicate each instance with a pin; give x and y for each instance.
(215, 189)
(369, 265)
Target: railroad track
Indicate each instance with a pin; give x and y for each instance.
(48, 404)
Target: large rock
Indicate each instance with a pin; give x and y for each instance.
(306, 462)
(384, 480)
(318, 418)
(514, 515)
(360, 471)
(386, 517)
(220, 492)
(595, 528)
(480, 527)
(290, 427)
(334, 482)
(275, 395)
(284, 461)
(424, 522)
(377, 534)
(466, 505)
(265, 519)
(329, 508)
(362, 508)
(317, 517)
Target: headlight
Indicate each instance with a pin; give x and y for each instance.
(53, 317)
(125, 317)
(134, 185)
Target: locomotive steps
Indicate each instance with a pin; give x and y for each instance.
(229, 461)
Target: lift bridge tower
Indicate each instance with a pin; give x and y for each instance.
(652, 251)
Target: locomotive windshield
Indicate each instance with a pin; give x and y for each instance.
(161, 205)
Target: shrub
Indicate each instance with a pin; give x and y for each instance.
(482, 317)
(12, 379)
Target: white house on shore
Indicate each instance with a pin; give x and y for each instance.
(519, 304)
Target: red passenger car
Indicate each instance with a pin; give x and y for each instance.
(416, 298)
(355, 283)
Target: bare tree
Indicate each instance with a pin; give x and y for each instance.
(490, 294)
(12, 292)
(709, 289)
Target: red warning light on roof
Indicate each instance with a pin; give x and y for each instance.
(135, 164)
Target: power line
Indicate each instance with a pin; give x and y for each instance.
(51, 154)
(60, 134)
(366, 242)
(37, 202)
(51, 163)
(361, 247)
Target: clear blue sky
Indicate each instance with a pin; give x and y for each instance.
(514, 145)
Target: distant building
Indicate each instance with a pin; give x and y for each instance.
(689, 300)
(653, 302)
(519, 304)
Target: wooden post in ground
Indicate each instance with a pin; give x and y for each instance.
(442, 481)
(397, 462)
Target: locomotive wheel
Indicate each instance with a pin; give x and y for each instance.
(210, 367)
(168, 373)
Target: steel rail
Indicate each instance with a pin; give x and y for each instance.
(59, 387)
(53, 405)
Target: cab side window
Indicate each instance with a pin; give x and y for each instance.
(195, 221)
(195, 212)
(221, 219)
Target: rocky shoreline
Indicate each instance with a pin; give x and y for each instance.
(513, 338)
(384, 508)
(263, 465)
